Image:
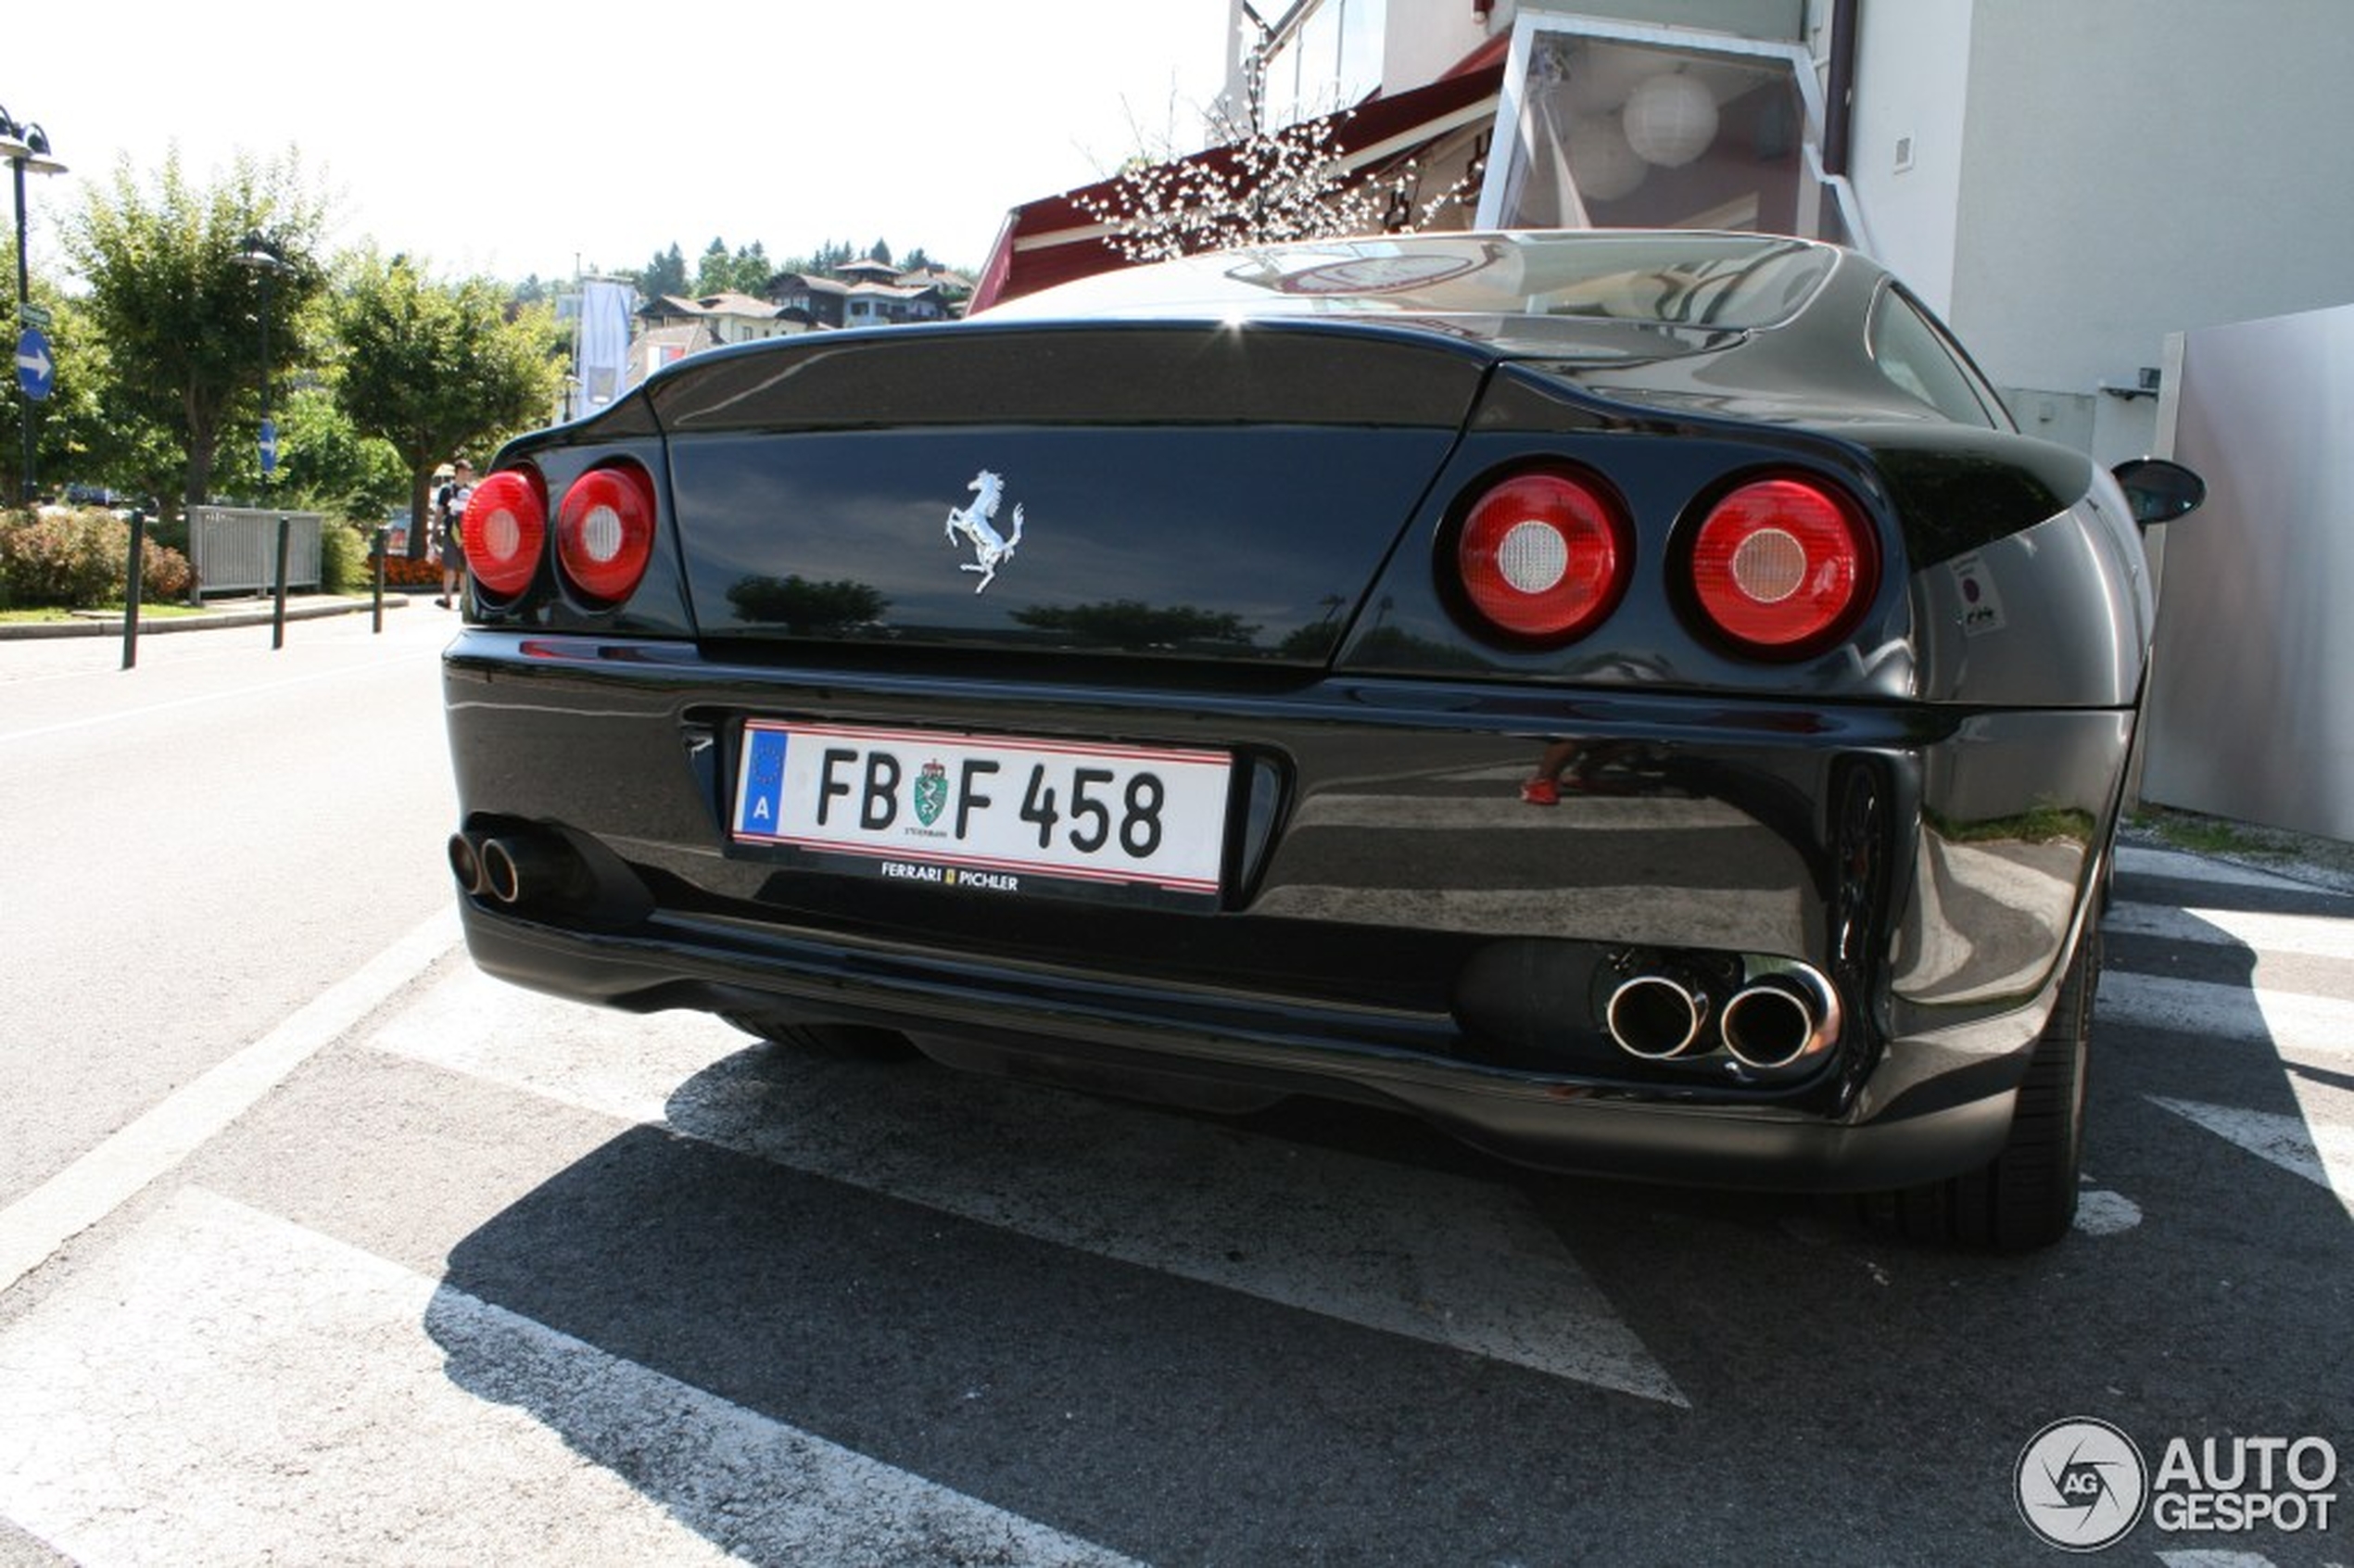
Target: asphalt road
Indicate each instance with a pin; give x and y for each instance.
(195, 847)
(336, 1251)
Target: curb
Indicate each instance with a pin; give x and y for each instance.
(209, 619)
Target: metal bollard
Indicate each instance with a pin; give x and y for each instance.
(134, 580)
(376, 555)
(278, 616)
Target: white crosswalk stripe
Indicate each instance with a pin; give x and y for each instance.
(267, 1393)
(2310, 1036)
(2318, 1029)
(2322, 1153)
(2310, 936)
(1453, 1261)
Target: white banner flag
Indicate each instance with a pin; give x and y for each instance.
(602, 361)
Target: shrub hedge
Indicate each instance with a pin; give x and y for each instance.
(76, 559)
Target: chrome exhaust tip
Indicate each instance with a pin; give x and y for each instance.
(1781, 1018)
(534, 866)
(465, 864)
(1655, 1018)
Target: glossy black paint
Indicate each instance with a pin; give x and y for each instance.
(1238, 536)
(1176, 542)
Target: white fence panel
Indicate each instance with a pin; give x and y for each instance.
(236, 549)
(2252, 715)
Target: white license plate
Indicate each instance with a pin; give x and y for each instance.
(986, 812)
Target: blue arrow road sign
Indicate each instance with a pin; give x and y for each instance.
(36, 371)
(268, 445)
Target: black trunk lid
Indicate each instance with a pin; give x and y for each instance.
(1179, 491)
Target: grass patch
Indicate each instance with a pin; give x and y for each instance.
(2044, 824)
(48, 614)
(153, 612)
(2204, 835)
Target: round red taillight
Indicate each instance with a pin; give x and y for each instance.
(1544, 556)
(1783, 566)
(605, 531)
(505, 525)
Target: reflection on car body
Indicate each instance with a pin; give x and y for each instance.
(1633, 700)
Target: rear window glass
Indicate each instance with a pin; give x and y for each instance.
(1915, 357)
(1725, 282)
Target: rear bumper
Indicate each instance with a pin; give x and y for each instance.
(1399, 927)
(1063, 1034)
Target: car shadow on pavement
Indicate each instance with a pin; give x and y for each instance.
(1331, 1332)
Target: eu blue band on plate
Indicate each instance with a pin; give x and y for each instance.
(761, 795)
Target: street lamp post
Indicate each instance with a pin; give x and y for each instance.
(259, 252)
(263, 255)
(27, 149)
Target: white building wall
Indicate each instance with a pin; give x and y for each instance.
(1423, 40)
(2137, 168)
(1906, 134)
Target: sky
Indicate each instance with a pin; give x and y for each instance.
(542, 139)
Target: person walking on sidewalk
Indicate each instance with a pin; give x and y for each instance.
(449, 531)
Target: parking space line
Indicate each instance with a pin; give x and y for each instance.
(2297, 1027)
(270, 1394)
(1444, 1258)
(93, 1186)
(2309, 936)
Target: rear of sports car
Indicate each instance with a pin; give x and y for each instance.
(1218, 711)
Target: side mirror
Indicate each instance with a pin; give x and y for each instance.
(2159, 491)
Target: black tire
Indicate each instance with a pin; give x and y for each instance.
(860, 1043)
(2025, 1196)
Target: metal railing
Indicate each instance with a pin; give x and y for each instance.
(236, 549)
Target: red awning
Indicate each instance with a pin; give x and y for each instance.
(1054, 240)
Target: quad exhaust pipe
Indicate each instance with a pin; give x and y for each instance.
(1782, 1014)
(517, 866)
(1781, 1018)
(1657, 1016)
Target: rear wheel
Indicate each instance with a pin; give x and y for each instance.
(842, 1042)
(2026, 1196)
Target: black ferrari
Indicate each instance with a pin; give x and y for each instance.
(1633, 700)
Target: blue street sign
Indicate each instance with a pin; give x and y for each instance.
(268, 445)
(36, 371)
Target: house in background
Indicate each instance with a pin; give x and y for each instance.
(811, 299)
(866, 294)
(873, 303)
(726, 318)
(655, 347)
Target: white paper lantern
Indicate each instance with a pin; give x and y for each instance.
(1602, 76)
(1670, 120)
(1601, 162)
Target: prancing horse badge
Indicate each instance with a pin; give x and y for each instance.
(990, 549)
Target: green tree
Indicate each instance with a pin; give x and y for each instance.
(435, 368)
(325, 464)
(183, 320)
(745, 269)
(73, 428)
(752, 269)
(666, 273)
(716, 273)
